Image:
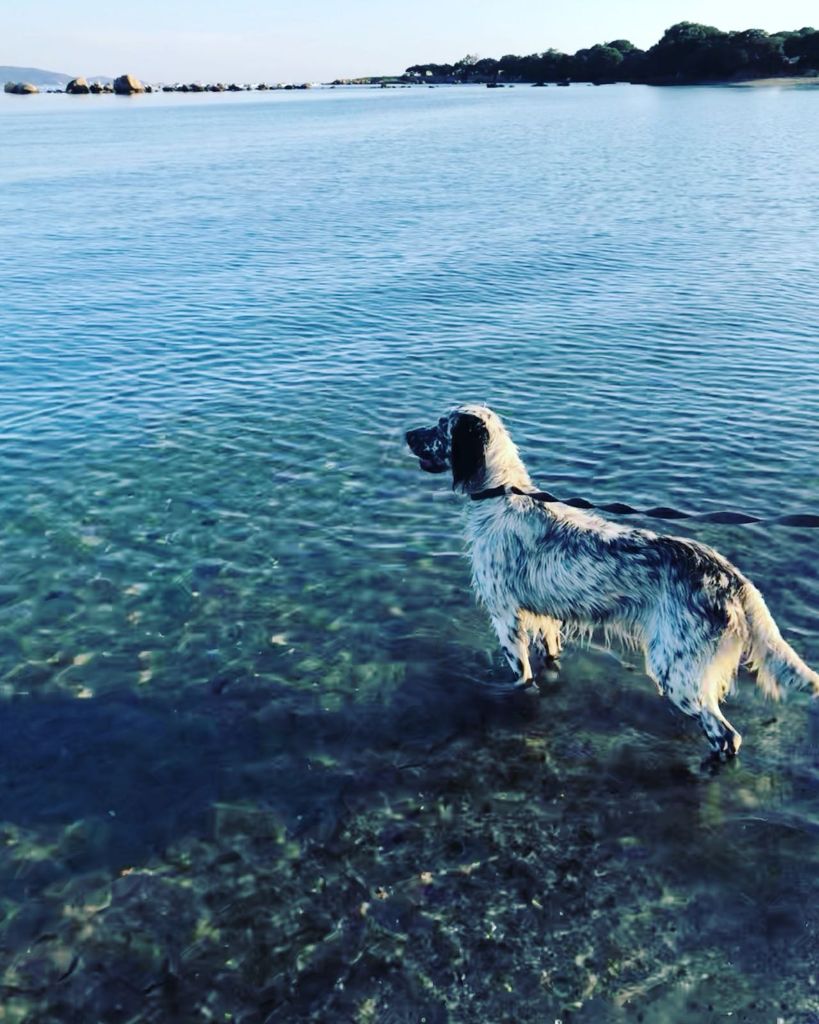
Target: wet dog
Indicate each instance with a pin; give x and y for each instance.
(547, 571)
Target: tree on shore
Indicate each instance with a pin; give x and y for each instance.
(688, 52)
(600, 63)
(803, 46)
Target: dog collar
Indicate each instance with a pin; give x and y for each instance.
(502, 491)
(490, 492)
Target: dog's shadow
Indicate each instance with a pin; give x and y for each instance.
(128, 775)
(132, 773)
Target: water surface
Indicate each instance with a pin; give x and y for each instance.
(250, 763)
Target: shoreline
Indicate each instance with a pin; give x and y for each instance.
(777, 82)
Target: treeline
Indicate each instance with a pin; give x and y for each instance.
(687, 53)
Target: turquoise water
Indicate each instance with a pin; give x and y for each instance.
(248, 764)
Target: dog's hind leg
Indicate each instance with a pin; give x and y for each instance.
(694, 684)
(718, 679)
(514, 640)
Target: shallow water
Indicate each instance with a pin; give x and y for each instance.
(250, 766)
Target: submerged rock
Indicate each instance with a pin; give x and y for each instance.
(127, 85)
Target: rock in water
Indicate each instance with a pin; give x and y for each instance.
(127, 85)
(78, 87)
(20, 88)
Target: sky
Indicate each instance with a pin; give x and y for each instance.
(318, 40)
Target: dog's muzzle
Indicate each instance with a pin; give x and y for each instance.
(429, 445)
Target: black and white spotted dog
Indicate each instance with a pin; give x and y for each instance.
(543, 570)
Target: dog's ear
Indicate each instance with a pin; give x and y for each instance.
(468, 440)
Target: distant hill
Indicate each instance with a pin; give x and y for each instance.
(10, 73)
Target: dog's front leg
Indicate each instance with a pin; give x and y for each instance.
(515, 643)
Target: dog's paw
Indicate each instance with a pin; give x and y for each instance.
(717, 761)
(503, 691)
(550, 671)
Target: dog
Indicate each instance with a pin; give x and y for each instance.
(549, 571)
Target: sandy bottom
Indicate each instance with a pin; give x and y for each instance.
(779, 82)
(517, 869)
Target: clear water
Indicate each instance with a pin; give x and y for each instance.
(249, 771)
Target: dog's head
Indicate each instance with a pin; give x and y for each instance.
(459, 442)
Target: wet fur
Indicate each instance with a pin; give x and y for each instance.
(550, 572)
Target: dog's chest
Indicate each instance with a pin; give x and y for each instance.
(498, 556)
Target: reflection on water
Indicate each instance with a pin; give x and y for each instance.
(250, 770)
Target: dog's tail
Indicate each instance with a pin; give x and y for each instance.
(775, 662)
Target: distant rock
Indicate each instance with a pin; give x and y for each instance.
(78, 87)
(127, 85)
(20, 88)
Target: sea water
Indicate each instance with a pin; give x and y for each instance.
(250, 764)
